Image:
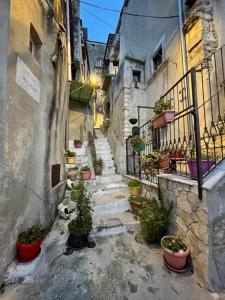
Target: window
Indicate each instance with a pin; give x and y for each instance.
(55, 174)
(157, 58)
(136, 76)
(99, 63)
(35, 44)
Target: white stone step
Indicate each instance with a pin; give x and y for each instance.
(104, 152)
(108, 225)
(108, 164)
(101, 147)
(71, 144)
(105, 157)
(113, 187)
(108, 179)
(101, 140)
(80, 151)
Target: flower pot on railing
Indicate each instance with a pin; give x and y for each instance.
(164, 162)
(166, 117)
(139, 148)
(206, 166)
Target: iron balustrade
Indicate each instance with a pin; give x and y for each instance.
(198, 131)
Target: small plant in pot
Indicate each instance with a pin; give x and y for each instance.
(135, 187)
(77, 191)
(137, 143)
(77, 143)
(29, 243)
(164, 114)
(208, 160)
(149, 163)
(72, 173)
(136, 203)
(98, 166)
(80, 227)
(85, 173)
(164, 160)
(175, 253)
(70, 157)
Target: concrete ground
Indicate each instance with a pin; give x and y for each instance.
(117, 268)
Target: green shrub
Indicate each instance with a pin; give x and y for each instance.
(134, 183)
(161, 105)
(175, 244)
(85, 169)
(70, 154)
(98, 162)
(149, 163)
(31, 235)
(136, 140)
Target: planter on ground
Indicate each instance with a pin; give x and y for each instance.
(135, 187)
(72, 174)
(136, 203)
(163, 119)
(85, 173)
(98, 166)
(175, 252)
(192, 165)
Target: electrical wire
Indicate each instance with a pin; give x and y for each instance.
(129, 14)
(100, 19)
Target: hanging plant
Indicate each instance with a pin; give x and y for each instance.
(137, 143)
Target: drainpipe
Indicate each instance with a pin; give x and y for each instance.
(68, 39)
(182, 36)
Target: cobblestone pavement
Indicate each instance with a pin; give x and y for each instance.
(117, 268)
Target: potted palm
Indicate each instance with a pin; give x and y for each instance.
(70, 157)
(77, 143)
(208, 160)
(29, 243)
(137, 143)
(80, 227)
(175, 253)
(72, 173)
(164, 114)
(98, 166)
(135, 187)
(136, 203)
(85, 173)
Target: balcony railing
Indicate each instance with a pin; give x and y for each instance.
(195, 140)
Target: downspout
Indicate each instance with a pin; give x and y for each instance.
(182, 37)
(68, 39)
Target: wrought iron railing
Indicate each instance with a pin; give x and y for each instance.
(195, 140)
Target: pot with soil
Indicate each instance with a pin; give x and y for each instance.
(163, 114)
(175, 253)
(85, 173)
(70, 157)
(136, 203)
(98, 166)
(72, 173)
(135, 187)
(164, 162)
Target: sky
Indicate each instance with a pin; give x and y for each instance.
(97, 30)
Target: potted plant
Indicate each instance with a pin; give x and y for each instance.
(29, 243)
(175, 252)
(77, 191)
(136, 203)
(154, 219)
(72, 173)
(164, 115)
(208, 160)
(98, 166)
(164, 160)
(77, 143)
(137, 143)
(70, 157)
(80, 227)
(149, 163)
(135, 187)
(85, 173)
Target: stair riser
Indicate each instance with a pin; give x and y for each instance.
(108, 179)
(104, 232)
(113, 207)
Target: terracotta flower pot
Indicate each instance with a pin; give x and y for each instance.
(72, 175)
(71, 160)
(98, 170)
(135, 191)
(164, 162)
(135, 206)
(85, 175)
(176, 261)
(28, 252)
(166, 117)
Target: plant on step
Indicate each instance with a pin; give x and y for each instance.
(70, 154)
(136, 203)
(85, 173)
(161, 105)
(29, 242)
(80, 227)
(149, 163)
(77, 143)
(154, 219)
(135, 187)
(72, 173)
(85, 169)
(77, 191)
(137, 143)
(174, 244)
(98, 165)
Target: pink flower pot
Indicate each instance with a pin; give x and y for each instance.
(166, 117)
(85, 175)
(78, 145)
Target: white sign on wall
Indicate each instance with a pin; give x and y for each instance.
(27, 80)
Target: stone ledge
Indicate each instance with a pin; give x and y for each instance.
(143, 181)
(178, 179)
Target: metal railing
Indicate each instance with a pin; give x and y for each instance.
(195, 140)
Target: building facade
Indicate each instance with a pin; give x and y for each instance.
(34, 93)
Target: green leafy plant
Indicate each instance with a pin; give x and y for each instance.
(70, 154)
(73, 169)
(134, 183)
(98, 162)
(85, 168)
(77, 142)
(82, 224)
(154, 219)
(32, 234)
(136, 140)
(149, 163)
(77, 191)
(174, 244)
(161, 105)
(138, 199)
